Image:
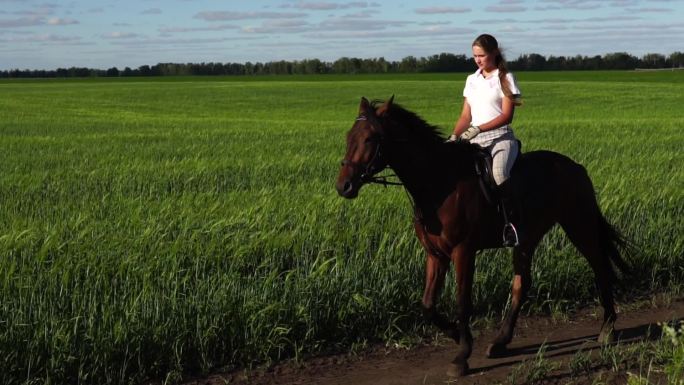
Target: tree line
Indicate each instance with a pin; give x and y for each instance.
(444, 62)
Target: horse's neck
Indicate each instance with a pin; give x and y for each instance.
(424, 173)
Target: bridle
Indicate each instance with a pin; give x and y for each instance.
(375, 165)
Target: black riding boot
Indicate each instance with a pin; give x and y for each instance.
(510, 210)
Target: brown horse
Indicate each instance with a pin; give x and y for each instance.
(453, 220)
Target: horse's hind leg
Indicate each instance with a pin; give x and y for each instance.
(435, 272)
(584, 234)
(522, 280)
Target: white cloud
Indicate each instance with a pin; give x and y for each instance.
(280, 26)
(342, 24)
(505, 8)
(441, 10)
(434, 23)
(165, 42)
(229, 15)
(624, 3)
(41, 10)
(358, 15)
(432, 31)
(21, 22)
(512, 29)
(61, 21)
(120, 35)
(494, 21)
(601, 20)
(41, 38)
(653, 10)
(221, 27)
(328, 5)
(570, 4)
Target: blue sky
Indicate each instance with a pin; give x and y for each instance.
(47, 34)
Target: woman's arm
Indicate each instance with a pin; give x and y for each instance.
(463, 121)
(506, 117)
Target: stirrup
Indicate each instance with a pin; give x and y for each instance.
(510, 235)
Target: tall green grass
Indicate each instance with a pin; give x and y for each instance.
(155, 228)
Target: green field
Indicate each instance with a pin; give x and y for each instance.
(152, 228)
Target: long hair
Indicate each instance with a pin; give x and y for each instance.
(489, 44)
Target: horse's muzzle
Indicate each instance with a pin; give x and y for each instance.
(347, 188)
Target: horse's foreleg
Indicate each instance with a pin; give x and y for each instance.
(522, 280)
(464, 262)
(435, 272)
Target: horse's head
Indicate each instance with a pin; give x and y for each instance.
(364, 157)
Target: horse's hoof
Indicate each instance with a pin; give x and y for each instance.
(457, 370)
(496, 350)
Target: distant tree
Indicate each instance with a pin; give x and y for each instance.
(653, 60)
(144, 70)
(531, 62)
(156, 70)
(444, 62)
(356, 65)
(249, 68)
(593, 63)
(234, 69)
(620, 61)
(408, 64)
(80, 72)
(342, 65)
(676, 59)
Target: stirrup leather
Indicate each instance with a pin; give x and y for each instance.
(510, 235)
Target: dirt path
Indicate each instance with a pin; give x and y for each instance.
(427, 364)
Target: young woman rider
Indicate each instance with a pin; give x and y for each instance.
(491, 94)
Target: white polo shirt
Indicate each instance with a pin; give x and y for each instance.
(485, 97)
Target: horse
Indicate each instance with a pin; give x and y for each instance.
(453, 219)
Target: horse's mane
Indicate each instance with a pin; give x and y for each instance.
(420, 131)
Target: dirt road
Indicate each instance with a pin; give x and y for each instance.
(427, 364)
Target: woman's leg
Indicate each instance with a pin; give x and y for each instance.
(504, 153)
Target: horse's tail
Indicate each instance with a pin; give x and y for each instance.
(612, 243)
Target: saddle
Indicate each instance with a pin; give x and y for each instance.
(484, 172)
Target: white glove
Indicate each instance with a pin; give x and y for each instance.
(470, 133)
(452, 138)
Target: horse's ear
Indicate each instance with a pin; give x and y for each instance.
(364, 106)
(382, 110)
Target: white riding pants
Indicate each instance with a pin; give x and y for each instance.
(504, 150)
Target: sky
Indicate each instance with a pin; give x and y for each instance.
(48, 34)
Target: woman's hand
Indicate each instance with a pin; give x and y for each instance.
(470, 133)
